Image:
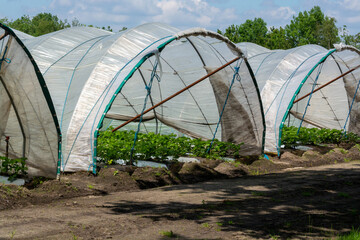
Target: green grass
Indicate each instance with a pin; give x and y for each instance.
(353, 235)
(344, 195)
(12, 234)
(343, 151)
(169, 234)
(258, 194)
(354, 211)
(307, 193)
(206, 225)
(358, 147)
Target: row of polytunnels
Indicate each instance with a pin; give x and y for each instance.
(60, 90)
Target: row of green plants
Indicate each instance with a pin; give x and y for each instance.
(314, 136)
(151, 146)
(117, 145)
(13, 167)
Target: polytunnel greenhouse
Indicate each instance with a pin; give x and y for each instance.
(306, 86)
(95, 77)
(27, 116)
(60, 90)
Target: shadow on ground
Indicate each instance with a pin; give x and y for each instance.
(303, 204)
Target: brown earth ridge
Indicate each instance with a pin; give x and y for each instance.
(302, 195)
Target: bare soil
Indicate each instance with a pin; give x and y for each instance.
(302, 195)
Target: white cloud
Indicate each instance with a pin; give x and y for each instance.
(284, 13)
(352, 4)
(195, 12)
(179, 13)
(65, 2)
(272, 14)
(211, 14)
(355, 19)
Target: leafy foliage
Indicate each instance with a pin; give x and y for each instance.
(308, 27)
(353, 235)
(353, 40)
(40, 24)
(312, 27)
(169, 234)
(44, 23)
(12, 167)
(251, 31)
(275, 39)
(311, 136)
(113, 146)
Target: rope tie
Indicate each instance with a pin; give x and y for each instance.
(237, 77)
(7, 60)
(4, 59)
(148, 89)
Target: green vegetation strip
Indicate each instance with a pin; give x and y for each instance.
(117, 145)
(314, 136)
(12, 167)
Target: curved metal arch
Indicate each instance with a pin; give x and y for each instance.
(296, 93)
(184, 34)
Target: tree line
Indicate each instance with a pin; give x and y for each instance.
(308, 27)
(44, 23)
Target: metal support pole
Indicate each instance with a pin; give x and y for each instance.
(342, 75)
(7, 138)
(175, 94)
(4, 35)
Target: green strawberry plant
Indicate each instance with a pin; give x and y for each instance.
(12, 167)
(314, 136)
(156, 147)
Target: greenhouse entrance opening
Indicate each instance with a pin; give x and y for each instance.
(29, 130)
(218, 116)
(289, 82)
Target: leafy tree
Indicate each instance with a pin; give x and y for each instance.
(41, 24)
(328, 33)
(308, 27)
(276, 39)
(108, 28)
(4, 21)
(312, 27)
(353, 40)
(22, 24)
(76, 23)
(251, 31)
(44, 23)
(232, 33)
(123, 29)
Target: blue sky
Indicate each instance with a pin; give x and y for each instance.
(210, 14)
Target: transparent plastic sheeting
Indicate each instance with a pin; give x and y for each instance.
(285, 75)
(95, 75)
(25, 109)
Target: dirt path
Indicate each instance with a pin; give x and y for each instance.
(313, 203)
